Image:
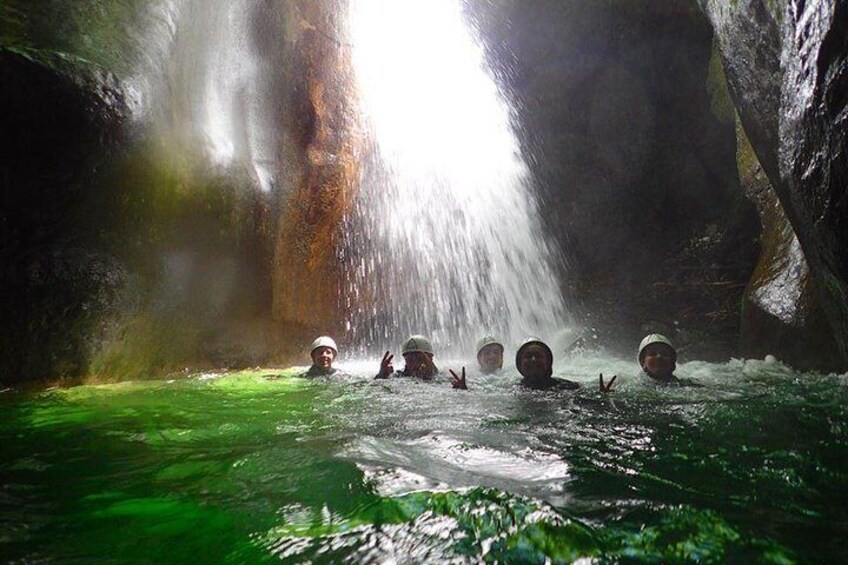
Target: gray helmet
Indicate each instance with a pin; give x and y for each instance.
(651, 339)
(487, 340)
(324, 341)
(417, 343)
(534, 341)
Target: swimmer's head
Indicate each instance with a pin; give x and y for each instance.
(323, 352)
(418, 356)
(657, 356)
(490, 354)
(534, 359)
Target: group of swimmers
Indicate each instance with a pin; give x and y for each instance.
(534, 360)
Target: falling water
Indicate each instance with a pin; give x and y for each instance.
(208, 82)
(444, 239)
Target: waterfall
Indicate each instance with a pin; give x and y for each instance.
(208, 85)
(444, 239)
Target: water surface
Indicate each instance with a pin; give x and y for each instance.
(261, 466)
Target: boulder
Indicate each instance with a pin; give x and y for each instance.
(788, 76)
(781, 310)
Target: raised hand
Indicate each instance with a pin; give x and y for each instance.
(386, 367)
(459, 382)
(606, 388)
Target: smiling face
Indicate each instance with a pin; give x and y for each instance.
(419, 364)
(322, 357)
(659, 360)
(490, 358)
(534, 362)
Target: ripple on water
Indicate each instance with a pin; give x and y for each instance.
(751, 467)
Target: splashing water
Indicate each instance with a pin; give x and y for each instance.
(260, 467)
(444, 237)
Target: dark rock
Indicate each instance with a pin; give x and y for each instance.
(635, 171)
(781, 312)
(813, 148)
(54, 278)
(788, 75)
(748, 35)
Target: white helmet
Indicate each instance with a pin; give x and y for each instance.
(532, 340)
(417, 343)
(487, 340)
(651, 339)
(324, 341)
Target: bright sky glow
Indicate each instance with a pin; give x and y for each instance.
(425, 89)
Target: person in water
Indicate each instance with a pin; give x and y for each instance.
(535, 360)
(490, 355)
(490, 358)
(418, 360)
(324, 351)
(658, 360)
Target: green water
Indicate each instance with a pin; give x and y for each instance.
(240, 468)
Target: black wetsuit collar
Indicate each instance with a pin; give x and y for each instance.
(316, 371)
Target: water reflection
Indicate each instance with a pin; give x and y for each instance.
(751, 467)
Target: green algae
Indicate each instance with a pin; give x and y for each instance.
(97, 33)
(166, 207)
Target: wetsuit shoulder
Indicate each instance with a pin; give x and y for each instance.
(671, 381)
(566, 384)
(317, 372)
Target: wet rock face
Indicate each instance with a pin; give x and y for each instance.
(781, 310)
(636, 173)
(306, 272)
(813, 149)
(788, 75)
(749, 30)
(127, 258)
(53, 282)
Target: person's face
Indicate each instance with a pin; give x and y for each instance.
(323, 357)
(533, 362)
(490, 358)
(419, 363)
(659, 360)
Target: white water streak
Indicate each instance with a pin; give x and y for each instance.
(445, 237)
(205, 84)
